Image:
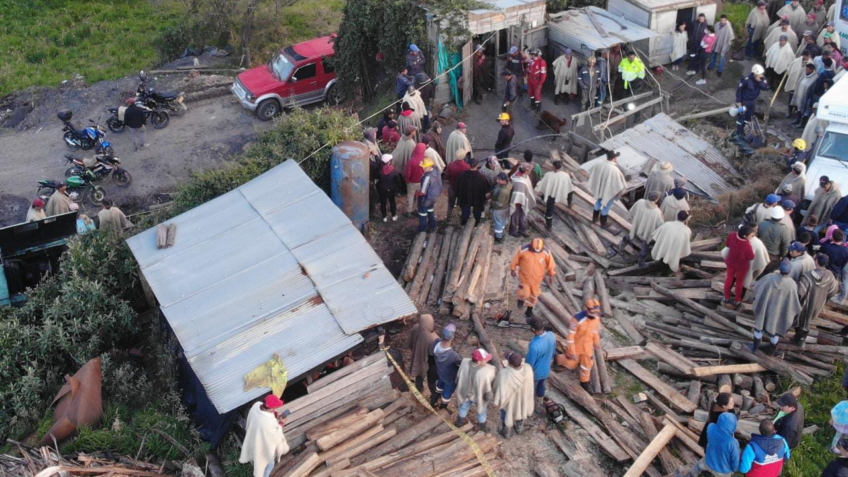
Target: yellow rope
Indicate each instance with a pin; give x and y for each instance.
(462, 435)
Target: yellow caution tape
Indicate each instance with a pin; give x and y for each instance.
(462, 435)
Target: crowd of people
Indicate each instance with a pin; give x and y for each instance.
(109, 217)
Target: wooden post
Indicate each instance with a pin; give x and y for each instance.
(650, 452)
(603, 373)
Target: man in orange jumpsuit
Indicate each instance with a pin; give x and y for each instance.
(534, 262)
(536, 76)
(583, 338)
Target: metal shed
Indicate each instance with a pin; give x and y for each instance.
(581, 30)
(662, 17)
(664, 139)
(273, 267)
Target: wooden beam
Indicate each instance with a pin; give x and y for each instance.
(663, 438)
(626, 352)
(675, 398)
(727, 369)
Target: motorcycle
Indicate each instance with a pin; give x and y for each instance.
(170, 101)
(77, 186)
(158, 118)
(92, 137)
(102, 166)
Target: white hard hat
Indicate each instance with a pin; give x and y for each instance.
(757, 70)
(777, 213)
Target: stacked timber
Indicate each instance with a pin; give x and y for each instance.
(452, 270)
(378, 434)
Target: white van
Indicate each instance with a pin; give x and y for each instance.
(830, 155)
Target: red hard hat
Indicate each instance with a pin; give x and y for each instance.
(131, 101)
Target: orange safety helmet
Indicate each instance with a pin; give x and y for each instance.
(537, 244)
(593, 304)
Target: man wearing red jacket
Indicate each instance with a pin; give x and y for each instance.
(452, 173)
(413, 174)
(536, 76)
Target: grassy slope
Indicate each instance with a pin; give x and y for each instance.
(43, 42)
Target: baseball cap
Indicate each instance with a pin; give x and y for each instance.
(502, 176)
(461, 125)
(797, 247)
(772, 199)
(787, 399)
(785, 266)
(788, 204)
(449, 331)
(824, 180)
(480, 354)
(472, 162)
(273, 402)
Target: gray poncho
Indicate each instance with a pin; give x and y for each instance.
(815, 288)
(776, 303)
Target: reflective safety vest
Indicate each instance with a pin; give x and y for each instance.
(631, 70)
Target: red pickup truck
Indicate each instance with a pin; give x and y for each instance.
(298, 74)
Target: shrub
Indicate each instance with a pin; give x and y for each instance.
(294, 136)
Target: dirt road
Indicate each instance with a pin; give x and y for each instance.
(211, 132)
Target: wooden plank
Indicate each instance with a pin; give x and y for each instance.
(671, 357)
(676, 399)
(627, 352)
(777, 365)
(727, 369)
(663, 438)
(346, 371)
(603, 294)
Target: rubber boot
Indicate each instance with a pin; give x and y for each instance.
(505, 432)
(549, 223)
(587, 387)
(595, 215)
(569, 197)
(803, 123)
(460, 421)
(435, 399)
(519, 427)
(520, 303)
(604, 219)
(529, 312)
(483, 427)
(754, 346)
(556, 99)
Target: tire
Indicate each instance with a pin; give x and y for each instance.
(122, 177)
(73, 171)
(160, 119)
(334, 98)
(96, 194)
(268, 110)
(68, 137)
(115, 125)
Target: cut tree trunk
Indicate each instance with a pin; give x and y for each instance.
(658, 444)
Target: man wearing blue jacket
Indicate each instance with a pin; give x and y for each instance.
(766, 454)
(722, 454)
(540, 354)
(746, 95)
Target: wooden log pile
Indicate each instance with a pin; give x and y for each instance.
(381, 436)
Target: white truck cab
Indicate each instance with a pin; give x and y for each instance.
(830, 154)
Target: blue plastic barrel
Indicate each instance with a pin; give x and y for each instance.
(349, 177)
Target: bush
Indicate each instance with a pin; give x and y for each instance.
(69, 319)
(294, 136)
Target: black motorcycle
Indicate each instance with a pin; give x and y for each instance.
(158, 118)
(102, 166)
(170, 101)
(92, 137)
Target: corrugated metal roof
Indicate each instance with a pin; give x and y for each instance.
(273, 267)
(664, 139)
(573, 29)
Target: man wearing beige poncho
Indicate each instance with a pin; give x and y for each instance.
(647, 218)
(514, 395)
(474, 387)
(607, 183)
(671, 242)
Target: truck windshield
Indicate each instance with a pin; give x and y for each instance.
(281, 66)
(834, 146)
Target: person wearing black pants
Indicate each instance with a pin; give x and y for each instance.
(387, 187)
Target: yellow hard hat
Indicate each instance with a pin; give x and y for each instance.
(427, 163)
(799, 144)
(503, 117)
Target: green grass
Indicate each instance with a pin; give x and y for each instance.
(43, 42)
(737, 14)
(299, 22)
(813, 454)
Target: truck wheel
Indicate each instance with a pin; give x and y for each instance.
(334, 97)
(268, 109)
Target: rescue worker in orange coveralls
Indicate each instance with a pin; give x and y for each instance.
(536, 76)
(584, 338)
(534, 262)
